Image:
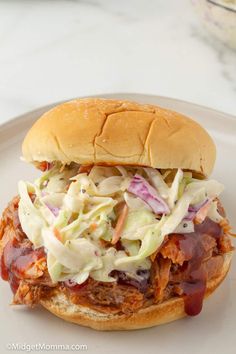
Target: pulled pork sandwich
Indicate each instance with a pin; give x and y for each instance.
(123, 229)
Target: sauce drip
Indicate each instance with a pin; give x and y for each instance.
(16, 259)
(193, 296)
(194, 284)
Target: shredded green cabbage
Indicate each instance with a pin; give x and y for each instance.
(73, 215)
(31, 219)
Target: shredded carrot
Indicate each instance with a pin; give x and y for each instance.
(62, 167)
(85, 168)
(119, 207)
(226, 228)
(44, 166)
(57, 234)
(93, 227)
(202, 213)
(120, 224)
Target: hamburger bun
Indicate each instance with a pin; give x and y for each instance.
(118, 132)
(153, 315)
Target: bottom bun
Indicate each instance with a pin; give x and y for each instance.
(154, 315)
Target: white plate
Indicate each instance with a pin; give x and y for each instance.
(213, 331)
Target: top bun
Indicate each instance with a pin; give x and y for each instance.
(118, 132)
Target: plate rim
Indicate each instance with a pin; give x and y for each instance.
(25, 116)
(207, 314)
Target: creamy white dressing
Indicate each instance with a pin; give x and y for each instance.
(72, 214)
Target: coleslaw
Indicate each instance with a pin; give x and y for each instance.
(74, 215)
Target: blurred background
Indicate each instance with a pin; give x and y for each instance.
(51, 50)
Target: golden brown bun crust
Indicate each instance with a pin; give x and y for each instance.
(154, 315)
(94, 130)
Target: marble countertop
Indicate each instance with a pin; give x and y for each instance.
(56, 50)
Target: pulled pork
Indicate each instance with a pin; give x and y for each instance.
(107, 297)
(183, 260)
(23, 267)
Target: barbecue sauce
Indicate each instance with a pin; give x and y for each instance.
(195, 286)
(16, 259)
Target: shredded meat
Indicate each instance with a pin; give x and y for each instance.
(225, 244)
(10, 226)
(108, 297)
(212, 268)
(21, 265)
(173, 251)
(30, 294)
(160, 277)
